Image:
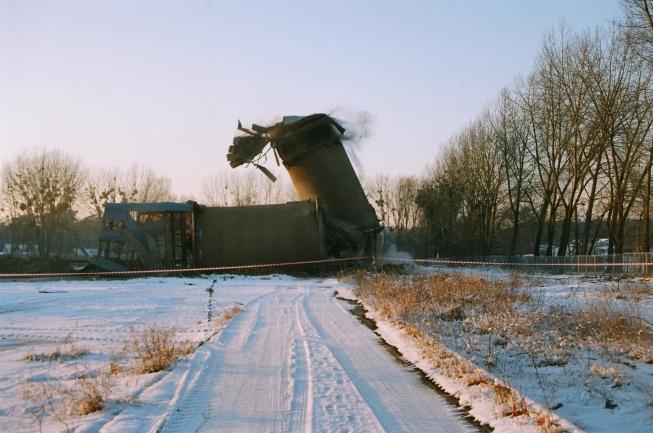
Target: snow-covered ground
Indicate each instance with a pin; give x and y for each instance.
(601, 388)
(295, 359)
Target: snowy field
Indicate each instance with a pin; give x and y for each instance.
(600, 384)
(294, 360)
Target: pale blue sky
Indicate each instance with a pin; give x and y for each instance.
(162, 83)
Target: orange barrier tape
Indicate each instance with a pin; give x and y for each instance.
(374, 260)
(496, 263)
(177, 270)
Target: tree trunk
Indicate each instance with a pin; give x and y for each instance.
(551, 229)
(646, 245)
(540, 227)
(590, 208)
(515, 232)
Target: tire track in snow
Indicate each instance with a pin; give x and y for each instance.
(190, 408)
(244, 389)
(338, 404)
(393, 391)
(187, 409)
(296, 361)
(302, 398)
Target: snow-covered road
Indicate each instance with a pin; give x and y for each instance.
(296, 360)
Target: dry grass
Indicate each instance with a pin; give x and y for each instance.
(503, 394)
(510, 402)
(226, 316)
(446, 297)
(506, 316)
(87, 395)
(155, 349)
(606, 372)
(613, 328)
(83, 396)
(39, 401)
(64, 351)
(477, 378)
(230, 313)
(114, 368)
(493, 322)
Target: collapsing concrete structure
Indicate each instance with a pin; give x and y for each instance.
(333, 218)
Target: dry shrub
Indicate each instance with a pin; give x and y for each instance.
(226, 317)
(547, 424)
(64, 351)
(606, 372)
(510, 401)
(155, 349)
(447, 297)
(87, 395)
(39, 401)
(503, 394)
(113, 368)
(231, 313)
(612, 327)
(477, 378)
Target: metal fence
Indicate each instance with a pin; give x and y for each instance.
(630, 264)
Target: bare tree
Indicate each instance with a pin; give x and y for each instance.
(481, 180)
(143, 185)
(394, 199)
(377, 190)
(245, 188)
(621, 98)
(638, 22)
(513, 135)
(102, 187)
(41, 189)
(133, 185)
(440, 201)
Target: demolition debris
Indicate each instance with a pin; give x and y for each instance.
(333, 218)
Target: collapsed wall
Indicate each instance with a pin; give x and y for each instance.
(247, 235)
(334, 218)
(311, 150)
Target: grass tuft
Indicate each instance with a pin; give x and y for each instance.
(155, 349)
(65, 352)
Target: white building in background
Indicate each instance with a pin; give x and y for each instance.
(600, 247)
(554, 249)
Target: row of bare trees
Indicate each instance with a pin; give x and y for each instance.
(50, 203)
(394, 199)
(49, 200)
(39, 193)
(245, 188)
(563, 156)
